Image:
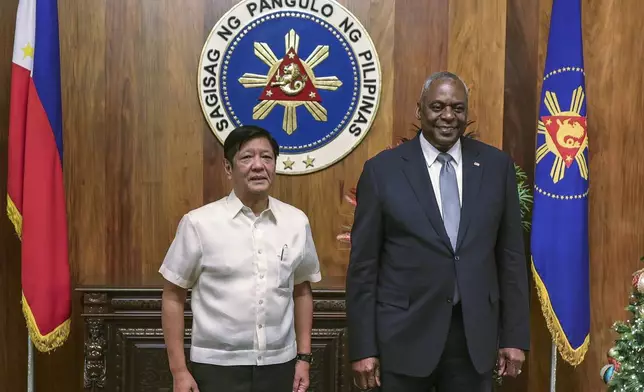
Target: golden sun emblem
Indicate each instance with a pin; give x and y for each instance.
(290, 82)
(565, 135)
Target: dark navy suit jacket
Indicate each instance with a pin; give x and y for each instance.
(402, 268)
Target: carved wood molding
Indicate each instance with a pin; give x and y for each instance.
(127, 302)
(329, 352)
(94, 375)
(124, 348)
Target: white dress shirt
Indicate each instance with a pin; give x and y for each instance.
(242, 269)
(434, 167)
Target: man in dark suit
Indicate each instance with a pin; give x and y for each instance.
(437, 293)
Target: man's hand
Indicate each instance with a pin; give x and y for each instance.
(366, 373)
(301, 381)
(184, 382)
(510, 362)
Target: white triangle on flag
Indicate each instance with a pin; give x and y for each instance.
(25, 37)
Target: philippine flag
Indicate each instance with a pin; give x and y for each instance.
(35, 189)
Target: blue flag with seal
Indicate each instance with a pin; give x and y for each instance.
(559, 236)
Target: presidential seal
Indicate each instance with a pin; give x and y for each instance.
(305, 70)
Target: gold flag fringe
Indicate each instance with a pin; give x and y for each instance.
(571, 355)
(14, 216)
(49, 342)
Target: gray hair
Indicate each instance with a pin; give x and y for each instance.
(444, 75)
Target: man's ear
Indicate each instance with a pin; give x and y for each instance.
(228, 168)
(418, 111)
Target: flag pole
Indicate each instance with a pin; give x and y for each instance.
(30, 365)
(553, 368)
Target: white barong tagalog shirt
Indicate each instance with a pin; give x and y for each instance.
(242, 269)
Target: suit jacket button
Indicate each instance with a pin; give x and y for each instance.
(456, 258)
(449, 300)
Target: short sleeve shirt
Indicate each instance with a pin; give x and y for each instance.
(242, 269)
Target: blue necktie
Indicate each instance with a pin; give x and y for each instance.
(450, 203)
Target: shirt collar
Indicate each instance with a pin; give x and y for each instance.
(431, 153)
(235, 205)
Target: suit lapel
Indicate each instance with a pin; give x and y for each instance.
(472, 173)
(415, 169)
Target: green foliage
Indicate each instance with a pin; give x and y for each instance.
(525, 197)
(628, 352)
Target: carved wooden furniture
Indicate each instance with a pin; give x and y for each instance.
(125, 352)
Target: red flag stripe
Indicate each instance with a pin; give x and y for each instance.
(20, 79)
(44, 231)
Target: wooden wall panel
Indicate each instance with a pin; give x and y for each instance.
(477, 54)
(465, 37)
(421, 47)
(521, 64)
(136, 145)
(519, 116)
(86, 132)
